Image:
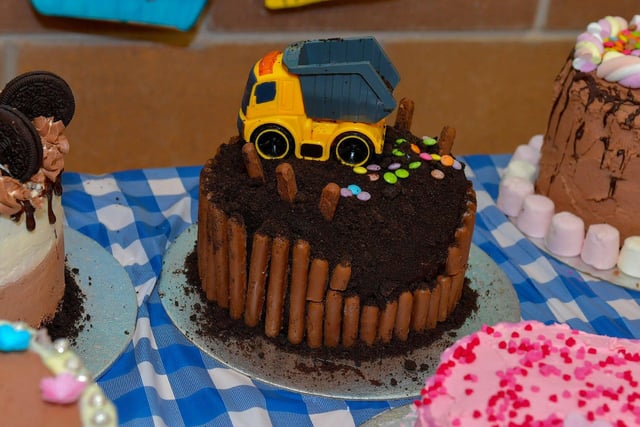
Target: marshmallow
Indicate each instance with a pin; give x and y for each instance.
(536, 141)
(527, 153)
(511, 194)
(601, 246)
(629, 259)
(565, 235)
(536, 214)
(521, 168)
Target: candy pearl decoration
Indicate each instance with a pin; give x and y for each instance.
(73, 363)
(97, 400)
(101, 418)
(61, 345)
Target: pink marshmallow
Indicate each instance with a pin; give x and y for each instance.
(527, 153)
(536, 141)
(535, 218)
(512, 192)
(565, 235)
(601, 246)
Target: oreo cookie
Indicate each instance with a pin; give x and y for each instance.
(40, 93)
(20, 145)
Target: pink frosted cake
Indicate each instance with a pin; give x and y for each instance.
(531, 374)
(45, 383)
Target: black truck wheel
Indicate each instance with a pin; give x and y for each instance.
(352, 149)
(272, 141)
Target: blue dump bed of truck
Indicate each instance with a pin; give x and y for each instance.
(348, 79)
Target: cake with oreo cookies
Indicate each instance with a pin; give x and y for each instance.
(35, 108)
(319, 225)
(45, 383)
(589, 158)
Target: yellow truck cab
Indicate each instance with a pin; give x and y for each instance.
(318, 99)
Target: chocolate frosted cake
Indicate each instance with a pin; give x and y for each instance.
(377, 270)
(35, 108)
(335, 232)
(589, 164)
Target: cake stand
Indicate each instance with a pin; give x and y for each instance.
(110, 306)
(384, 378)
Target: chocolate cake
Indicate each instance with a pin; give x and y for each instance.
(589, 159)
(375, 271)
(320, 223)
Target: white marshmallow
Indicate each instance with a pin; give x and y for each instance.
(629, 259)
(521, 168)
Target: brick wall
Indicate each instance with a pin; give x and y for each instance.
(151, 97)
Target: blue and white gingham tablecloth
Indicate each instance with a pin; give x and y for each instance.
(161, 379)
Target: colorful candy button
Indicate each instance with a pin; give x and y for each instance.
(415, 165)
(426, 156)
(364, 196)
(400, 140)
(415, 148)
(428, 141)
(396, 152)
(355, 190)
(437, 174)
(435, 157)
(390, 177)
(394, 166)
(373, 167)
(360, 170)
(373, 176)
(457, 165)
(446, 160)
(402, 173)
(345, 192)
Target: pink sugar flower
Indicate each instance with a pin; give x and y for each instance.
(62, 389)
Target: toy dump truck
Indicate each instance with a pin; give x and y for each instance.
(318, 99)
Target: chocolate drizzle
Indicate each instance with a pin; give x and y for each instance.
(50, 188)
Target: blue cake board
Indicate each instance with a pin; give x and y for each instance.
(180, 14)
